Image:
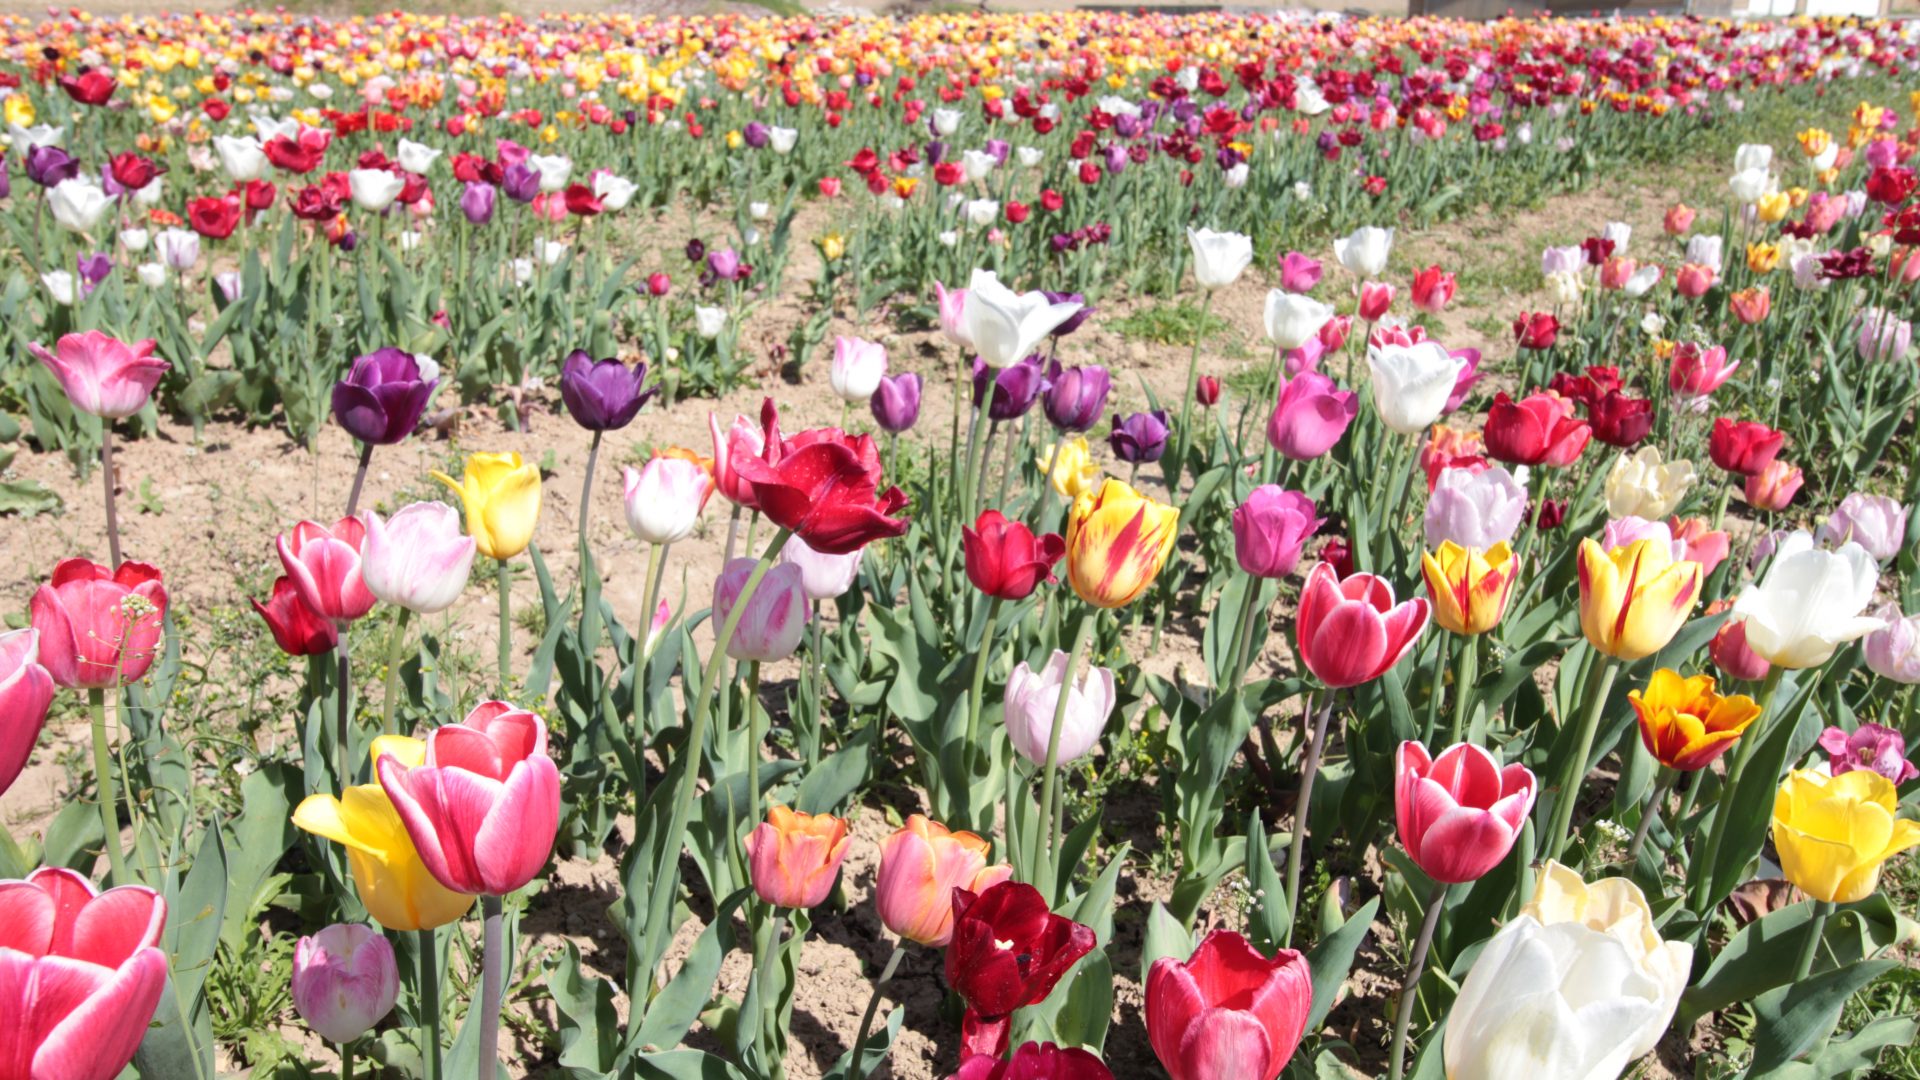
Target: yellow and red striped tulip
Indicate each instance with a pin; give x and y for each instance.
(1634, 598)
(1469, 587)
(1117, 541)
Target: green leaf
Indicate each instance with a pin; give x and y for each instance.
(29, 498)
(1268, 919)
(674, 1009)
(1332, 958)
(1165, 937)
(589, 1028)
(263, 833)
(1791, 1018)
(1750, 964)
(685, 1065)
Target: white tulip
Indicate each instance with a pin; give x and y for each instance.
(1411, 384)
(1748, 185)
(60, 286)
(523, 271)
(549, 252)
(1005, 326)
(241, 156)
(710, 321)
(178, 248)
(152, 275)
(1810, 602)
(26, 138)
(1619, 232)
(374, 190)
(1753, 156)
(1293, 319)
(858, 367)
(1030, 157)
(614, 192)
(1236, 177)
(1219, 258)
(782, 139)
(417, 158)
(554, 169)
(1645, 485)
(946, 121)
(78, 204)
(1705, 250)
(1365, 252)
(759, 211)
(982, 212)
(150, 195)
(976, 164)
(134, 239)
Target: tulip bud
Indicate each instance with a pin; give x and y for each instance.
(418, 559)
(1271, 529)
(345, 980)
(775, 616)
(896, 401)
(664, 497)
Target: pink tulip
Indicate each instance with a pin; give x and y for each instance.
(1270, 530)
(953, 315)
(1229, 1012)
(80, 977)
(1460, 813)
(1873, 747)
(1732, 655)
(484, 808)
(418, 559)
(1299, 273)
(103, 375)
(99, 628)
(775, 616)
(324, 565)
(741, 440)
(1699, 370)
(1694, 280)
(345, 980)
(1375, 299)
(1312, 415)
(1350, 631)
(1464, 383)
(25, 692)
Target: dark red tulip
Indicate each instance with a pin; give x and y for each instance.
(582, 202)
(90, 88)
(1008, 951)
(824, 486)
(1207, 391)
(1005, 559)
(1539, 429)
(1536, 329)
(297, 628)
(1619, 420)
(302, 155)
(133, 172)
(214, 217)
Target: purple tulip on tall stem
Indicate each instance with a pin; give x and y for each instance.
(601, 396)
(380, 403)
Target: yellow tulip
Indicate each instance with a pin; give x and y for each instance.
(1773, 207)
(1762, 258)
(1833, 832)
(1469, 587)
(19, 110)
(502, 497)
(387, 872)
(1117, 540)
(1074, 471)
(1814, 141)
(1633, 599)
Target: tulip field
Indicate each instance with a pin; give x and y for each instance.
(992, 546)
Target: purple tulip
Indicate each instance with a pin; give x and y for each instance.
(382, 397)
(1015, 387)
(1141, 437)
(603, 395)
(94, 268)
(477, 202)
(936, 152)
(896, 403)
(756, 135)
(1074, 321)
(724, 263)
(521, 182)
(1128, 127)
(1871, 747)
(49, 165)
(6, 180)
(1875, 522)
(1312, 415)
(1076, 397)
(999, 148)
(108, 184)
(1271, 529)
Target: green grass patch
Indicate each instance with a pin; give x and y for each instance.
(1170, 324)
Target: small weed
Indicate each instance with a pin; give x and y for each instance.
(1170, 324)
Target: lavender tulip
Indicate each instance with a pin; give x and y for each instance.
(1893, 651)
(1475, 510)
(1875, 522)
(896, 401)
(345, 980)
(477, 201)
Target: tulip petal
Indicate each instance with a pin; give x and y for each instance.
(515, 839)
(1349, 645)
(96, 1035)
(1225, 1044)
(26, 919)
(1174, 1000)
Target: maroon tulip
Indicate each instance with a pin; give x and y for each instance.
(297, 628)
(1005, 559)
(823, 485)
(1008, 951)
(1228, 1012)
(1036, 1061)
(1619, 420)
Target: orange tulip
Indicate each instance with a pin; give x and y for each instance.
(794, 857)
(920, 866)
(1685, 724)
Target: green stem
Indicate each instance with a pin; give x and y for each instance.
(503, 577)
(873, 1006)
(1046, 483)
(1651, 813)
(359, 478)
(346, 1061)
(1309, 770)
(666, 876)
(981, 659)
(1049, 787)
(394, 643)
(1410, 989)
(1749, 742)
(103, 782)
(106, 472)
(1576, 769)
(343, 712)
(430, 1004)
(1243, 635)
(1463, 677)
(755, 736)
(1816, 930)
(493, 972)
(586, 489)
(770, 996)
(1186, 403)
(817, 674)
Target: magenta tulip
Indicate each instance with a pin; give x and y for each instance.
(1459, 813)
(1228, 1012)
(80, 977)
(1350, 630)
(1271, 529)
(99, 628)
(1312, 415)
(103, 375)
(26, 690)
(485, 806)
(324, 565)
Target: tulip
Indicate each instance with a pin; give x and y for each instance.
(1633, 599)
(1141, 437)
(1076, 396)
(50, 166)
(1069, 466)
(1882, 337)
(953, 315)
(775, 616)
(1219, 258)
(1117, 540)
(1009, 392)
(1364, 252)
(325, 565)
(1293, 319)
(374, 190)
(920, 866)
(795, 857)
(1433, 290)
(1540, 429)
(825, 488)
(345, 980)
(1616, 907)
(1645, 486)
(743, 439)
(80, 975)
(477, 200)
(102, 375)
(1375, 300)
(1564, 1001)
(1311, 414)
(858, 366)
(1460, 813)
(502, 498)
(99, 628)
(1809, 603)
(1474, 509)
(1893, 650)
(1536, 330)
(1870, 746)
(1002, 326)
(1619, 420)
(896, 402)
(418, 559)
(243, 158)
(1773, 487)
(1875, 522)
(1685, 724)
(296, 627)
(78, 204)
(1228, 1012)
(1744, 447)
(822, 577)
(1074, 321)
(1005, 560)
(1411, 384)
(1032, 699)
(1698, 370)
(1035, 1061)
(1832, 833)
(483, 805)
(1271, 529)
(665, 497)
(1299, 273)
(1350, 631)
(1469, 587)
(1206, 391)
(26, 692)
(603, 395)
(1008, 951)
(385, 392)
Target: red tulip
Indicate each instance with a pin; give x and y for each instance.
(738, 442)
(89, 88)
(1619, 420)
(1743, 446)
(1350, 631)
(1536, 329)
(1460, 813)
(582, 202)
(26, 690)
(99, 628)
(324, 565)
(1206, 392)
(133, 172)
(1036, 1061)
(1539, 429)
(1774, 487)
(823, 485)
(297, 628)
(214, 216)
(1587, 387)
(1228, 1012)
(302, 155)
(1005, 559)
(1433, 290)
(1375, 299)
(1732, 655)
(80, 976)
(1008, 951)
(484, 808)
